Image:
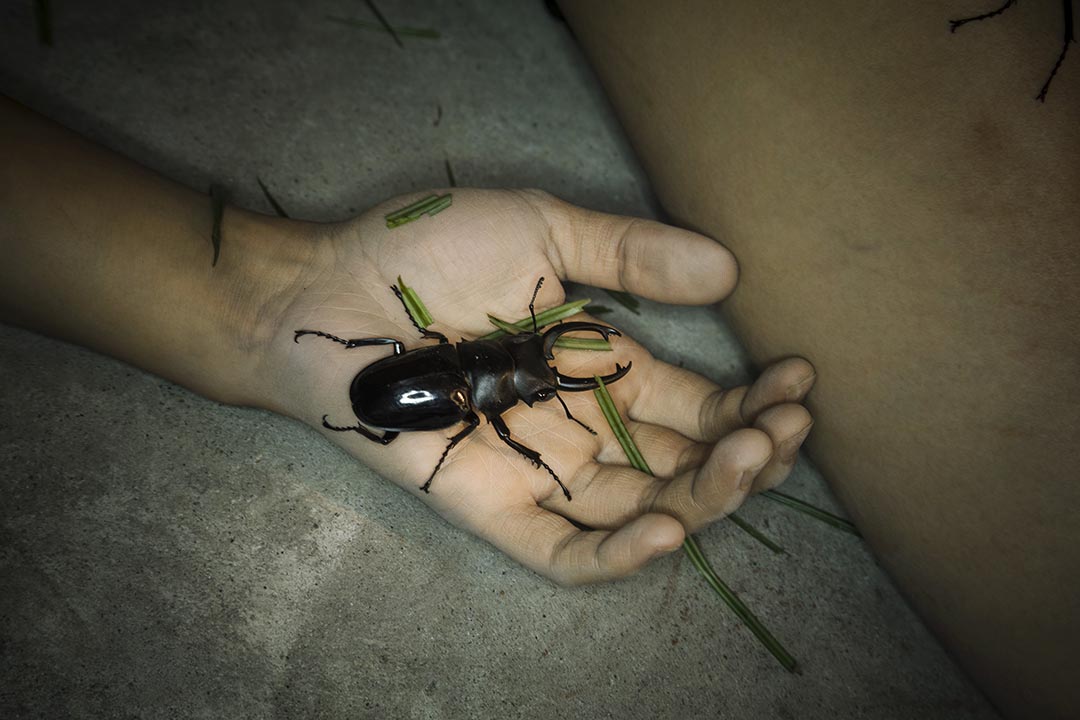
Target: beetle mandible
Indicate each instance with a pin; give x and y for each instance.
(438, 386)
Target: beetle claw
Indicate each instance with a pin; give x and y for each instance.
(573, 384)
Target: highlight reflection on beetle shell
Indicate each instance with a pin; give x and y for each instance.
(385, 394)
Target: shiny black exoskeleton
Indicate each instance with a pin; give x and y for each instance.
(439, 386)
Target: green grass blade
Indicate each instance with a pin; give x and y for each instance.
(574, 343)
(625, 299)
(444, 202)
(611, 414)
(815, 512)
(414, 305)
(546, 317)
(614, 419)
(429, 205)
(756, 534)
(738, 606)
(409, 209)
(507, 328)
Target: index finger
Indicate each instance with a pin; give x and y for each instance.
(639, 256)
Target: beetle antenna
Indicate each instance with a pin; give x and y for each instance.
(571, 417)
(532, 312)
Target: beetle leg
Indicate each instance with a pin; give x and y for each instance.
(360, 342)
(473, 421)
(529, 453)
(424, 332)
(571, 417)
(384, 439)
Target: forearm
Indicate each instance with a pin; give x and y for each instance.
(104, 253)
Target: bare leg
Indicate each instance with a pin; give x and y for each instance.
(905, 215)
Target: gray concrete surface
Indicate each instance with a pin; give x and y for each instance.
(165, 556)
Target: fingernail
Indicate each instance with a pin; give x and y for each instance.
(748, 476)
(796, 391)
(663, 551)
(790, 447)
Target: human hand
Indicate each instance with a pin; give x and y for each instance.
(708, 447)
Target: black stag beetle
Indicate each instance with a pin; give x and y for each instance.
(438, 386)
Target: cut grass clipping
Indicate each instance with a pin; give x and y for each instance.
(431, 205)
(611, 414)
(625, 299)
(545, 317)
(414, 305)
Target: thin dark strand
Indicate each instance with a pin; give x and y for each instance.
(217, 201)
(1041, 97)
(384, 22)
(953, 24)
(450, 174)
(270, 198)
(571, 417)
(532, 312)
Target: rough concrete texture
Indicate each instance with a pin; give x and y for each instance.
(165, 556)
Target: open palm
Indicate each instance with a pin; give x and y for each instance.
(708, 447)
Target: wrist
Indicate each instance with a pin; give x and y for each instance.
(265, 261)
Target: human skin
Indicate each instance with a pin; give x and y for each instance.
(102, 252)
(906, 216)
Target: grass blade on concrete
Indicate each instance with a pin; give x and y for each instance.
(815, 512)
(690, 546)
